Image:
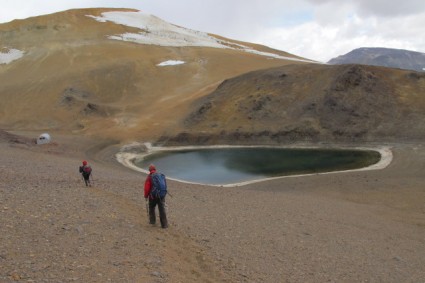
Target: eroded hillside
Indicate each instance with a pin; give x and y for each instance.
(313, 103)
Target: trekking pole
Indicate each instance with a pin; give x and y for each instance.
(147, 211)
(91, 175)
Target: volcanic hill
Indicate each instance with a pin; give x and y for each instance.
(311, 103)
(123, 74)
(128, 75)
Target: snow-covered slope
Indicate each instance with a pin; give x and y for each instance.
(156, 31)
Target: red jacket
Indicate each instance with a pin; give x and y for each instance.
(148, 184)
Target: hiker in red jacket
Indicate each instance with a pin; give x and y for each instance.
(85, 171)
(154, 200)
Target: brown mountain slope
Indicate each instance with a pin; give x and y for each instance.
(73, 78)
(311, 103)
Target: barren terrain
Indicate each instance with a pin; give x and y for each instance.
(347, 227)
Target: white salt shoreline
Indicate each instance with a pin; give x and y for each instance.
(128, 160)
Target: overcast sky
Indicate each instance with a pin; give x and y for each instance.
(315, 29)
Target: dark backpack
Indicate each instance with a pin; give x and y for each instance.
(87, 170)
(159, 185)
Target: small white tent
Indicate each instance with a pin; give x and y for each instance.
(43, 139)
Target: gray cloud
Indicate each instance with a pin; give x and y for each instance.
(378, 8)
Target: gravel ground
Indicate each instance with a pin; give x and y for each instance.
(366, 226)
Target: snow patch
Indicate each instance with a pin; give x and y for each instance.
(10, 55)
(155, 31)
(171, 63)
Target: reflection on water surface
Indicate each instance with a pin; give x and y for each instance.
(220, 166)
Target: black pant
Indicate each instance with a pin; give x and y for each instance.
(162, 214)
(87, 179)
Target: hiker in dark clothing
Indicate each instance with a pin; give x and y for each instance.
(154, 200)
(85, 171)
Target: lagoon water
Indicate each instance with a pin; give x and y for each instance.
(220, 166)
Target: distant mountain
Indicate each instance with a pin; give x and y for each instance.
(386, 57)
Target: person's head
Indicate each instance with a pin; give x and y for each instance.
(152, 168)
(84, 162)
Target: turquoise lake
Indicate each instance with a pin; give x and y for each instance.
(220, 166)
